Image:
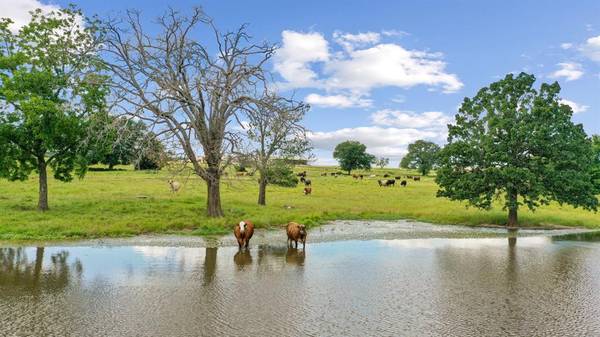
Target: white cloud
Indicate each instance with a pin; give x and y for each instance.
(292, 60)
(389, 65)
(337, 101)
(394, 32)
(591, 48)
(305, 61)
(391, 133)
(408, 119)
(18, 11)
(380, 141)
(569, 70)
(566, 45)
(351, 41)
(576, 107)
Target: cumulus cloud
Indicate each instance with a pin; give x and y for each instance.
(591, 48)
(389, 65)
(390, 133)
(299, 50)
(18, 11)
(380, 141)
(363, 63)
(337, 101)
(570, 71)
(351, 41)
(576, 107)
(425, 120)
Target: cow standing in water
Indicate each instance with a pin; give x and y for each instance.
(296, 232)
(243, 233)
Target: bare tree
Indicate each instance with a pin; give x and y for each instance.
(186, 90)
(275, 134)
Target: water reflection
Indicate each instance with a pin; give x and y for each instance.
(295, 256)
(462, 287)
(242, 258)
(585, 236)
(210, 264)
(21, 267)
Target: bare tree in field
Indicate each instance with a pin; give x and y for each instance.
(275, 134)
(188, 82)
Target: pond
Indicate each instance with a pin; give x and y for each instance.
(352, 279)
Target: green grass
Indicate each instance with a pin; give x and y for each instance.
(124, 203)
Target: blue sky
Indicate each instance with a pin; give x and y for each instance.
(389, 72)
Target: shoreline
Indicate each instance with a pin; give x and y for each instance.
(338, 230)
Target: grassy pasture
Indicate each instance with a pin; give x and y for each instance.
(123, 203)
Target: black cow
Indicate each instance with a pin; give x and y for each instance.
(386, 182)
(403, 183)
(307, 182)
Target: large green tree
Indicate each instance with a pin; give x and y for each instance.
(515, 141)
(596, 169)
(422, 156)
(48, 85)
(353, 155)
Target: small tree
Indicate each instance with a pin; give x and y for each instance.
(353, 155)
(513, 140)
(48, 88)
(114, 140)
(422, 156)
(275, 134)
(150, 153)
(280, 173)
(382, 162)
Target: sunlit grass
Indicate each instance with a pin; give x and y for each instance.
(122, 203)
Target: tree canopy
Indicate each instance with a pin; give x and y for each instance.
(514, 141)
(353, 155)
(49, 84)
(114, 140)
(596, 169)
(275, 134)
(422, 156)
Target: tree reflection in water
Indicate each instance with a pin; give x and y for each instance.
(18, 269)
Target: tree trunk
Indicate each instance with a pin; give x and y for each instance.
(262, 190)
(513, 220)
(43, 182)
(111, 166)
(39, 260)
(213, 198)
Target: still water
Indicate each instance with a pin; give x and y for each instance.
(421, 281)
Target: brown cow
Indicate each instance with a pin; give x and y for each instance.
(307, 190)
(295, 232)
(416, 178)
(243, 232)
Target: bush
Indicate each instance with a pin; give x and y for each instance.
(282, 175)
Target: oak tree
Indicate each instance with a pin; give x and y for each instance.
(517, 142)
